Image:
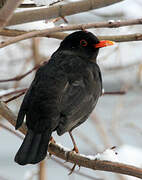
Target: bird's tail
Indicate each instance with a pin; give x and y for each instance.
(34, 148)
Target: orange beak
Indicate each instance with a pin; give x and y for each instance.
(104, 43)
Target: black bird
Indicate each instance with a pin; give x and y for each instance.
(62, 95)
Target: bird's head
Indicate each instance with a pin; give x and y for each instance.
(84, 44)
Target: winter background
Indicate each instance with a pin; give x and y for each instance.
(116, 120)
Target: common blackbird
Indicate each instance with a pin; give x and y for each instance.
(62, 95)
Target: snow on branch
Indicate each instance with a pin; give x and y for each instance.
(59, 11)
(97, 162)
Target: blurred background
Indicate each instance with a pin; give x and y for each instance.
(116, 120)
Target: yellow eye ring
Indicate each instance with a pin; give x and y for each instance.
(83, 42)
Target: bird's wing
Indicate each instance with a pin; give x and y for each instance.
(40, 102)
(80, 95)
(24, 106)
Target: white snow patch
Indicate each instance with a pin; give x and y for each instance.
(63, 147)
(107, 155)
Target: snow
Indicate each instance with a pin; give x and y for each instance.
(63, 147)
(108, 155)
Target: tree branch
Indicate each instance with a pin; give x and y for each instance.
(18, 78)
(114, 93)
(14, 92)
(42, 170)
(72, 157)
(75, 171)
(59, 11)
(11, 131)
(14, 97)
(7, 11)
(49, 31)
(61, 35)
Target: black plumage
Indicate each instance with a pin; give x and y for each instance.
(62, 95)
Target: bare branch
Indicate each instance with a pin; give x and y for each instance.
(114, 93)
(11, 131)
(14, 97)
(31, 5)
(14, 92)
(42, 170)
(74, 158)
(49, 31)
(59, 11)
(76, 172)
(10, 116)
(18, 78)
(84, 161)
(7, 11)
(11, 32)
(59, 35)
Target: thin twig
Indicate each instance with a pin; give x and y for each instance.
(53, 3)
(42, 170)
(15, 32)
(14, 92)
(114, 93)
(14, 97)
(35, 51)
(12, 131)
(31, 5)
(18, 78)
(75, 158)
(59, 10)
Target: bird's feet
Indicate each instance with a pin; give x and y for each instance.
(51, 141)
(75, 149)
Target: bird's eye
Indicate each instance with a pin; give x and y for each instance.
(83, 42)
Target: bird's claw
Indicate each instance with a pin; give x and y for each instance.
(75, 149)
(73, 168)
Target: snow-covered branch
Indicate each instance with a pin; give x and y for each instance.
(93, 162)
